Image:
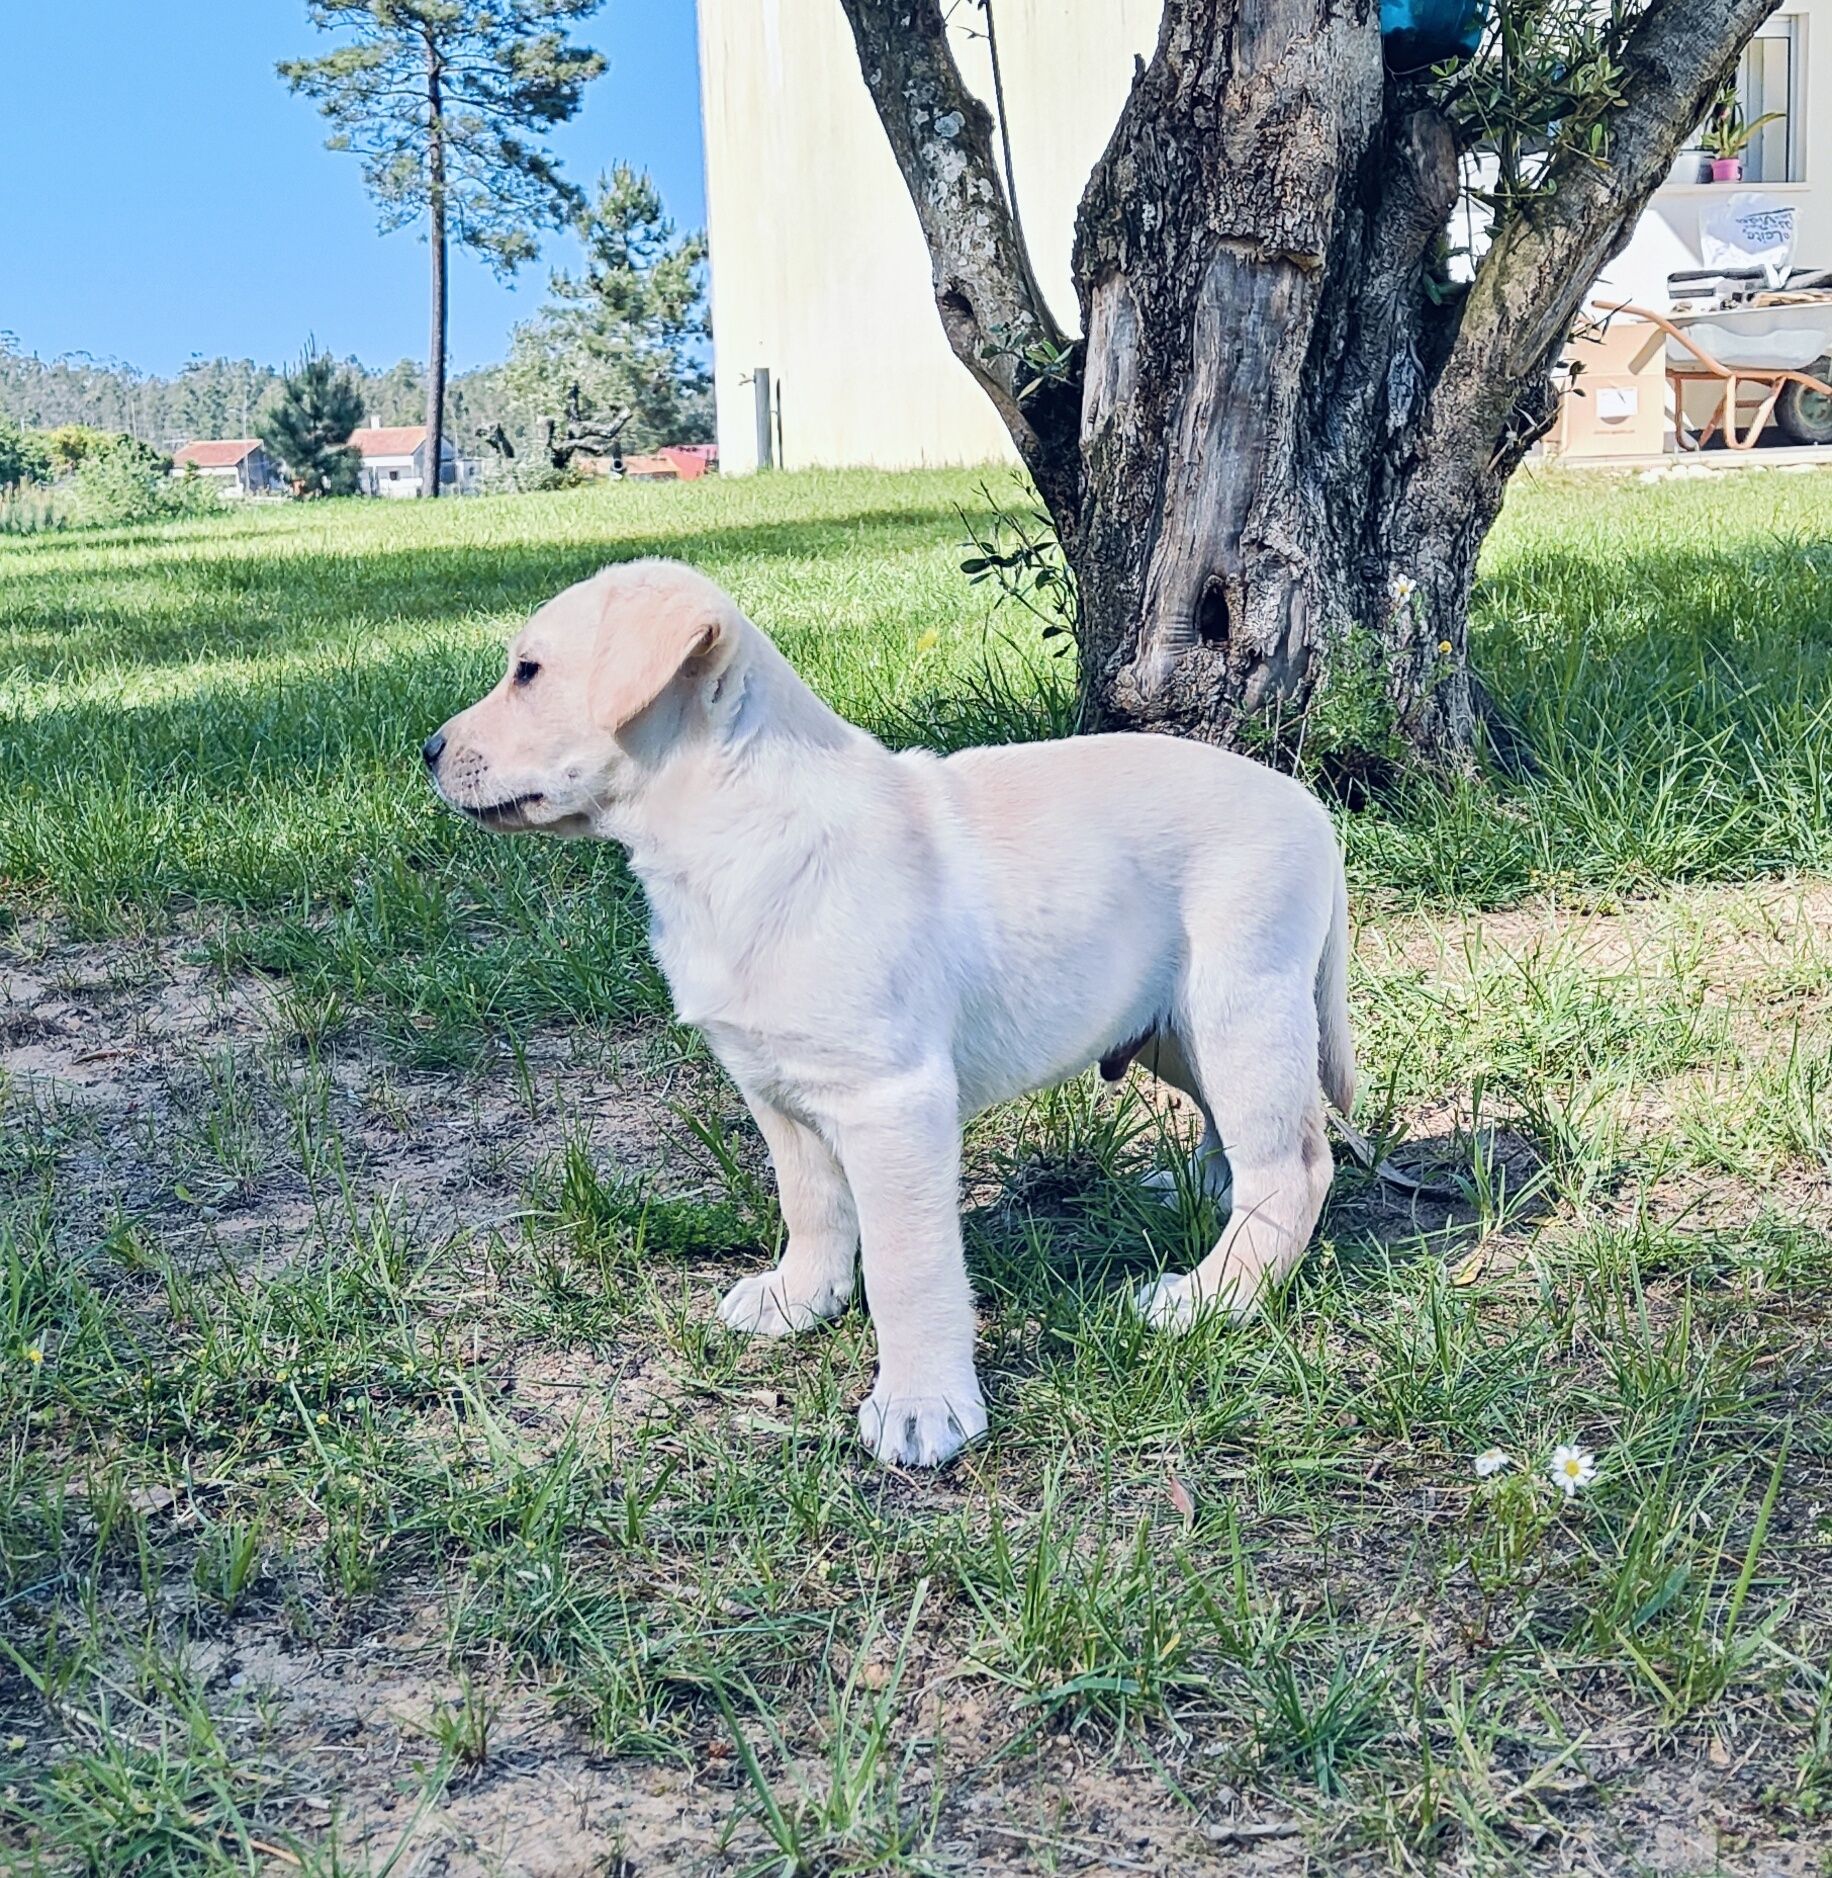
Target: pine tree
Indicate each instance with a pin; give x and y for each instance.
(308, 431)
(630, 329)
(436, 97)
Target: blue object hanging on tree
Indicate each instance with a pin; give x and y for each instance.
(1418, 33)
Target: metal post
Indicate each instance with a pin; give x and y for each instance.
(766, 454)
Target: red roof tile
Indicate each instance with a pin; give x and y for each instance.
(691, 459)
(216, 452)
(388, 439)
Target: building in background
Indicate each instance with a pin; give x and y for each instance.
(394, 461)
(237, 466)
(820, 278)
(1786, 70)
(827, 345)
(672, 463)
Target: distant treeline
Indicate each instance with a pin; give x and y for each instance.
(623, 337)
(214, 397)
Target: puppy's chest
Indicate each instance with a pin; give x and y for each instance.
(718, 973)
(705, 987)
(771, 1021)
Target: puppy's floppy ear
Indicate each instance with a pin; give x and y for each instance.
(644, 641)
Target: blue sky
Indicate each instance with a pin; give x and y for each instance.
(164, 194)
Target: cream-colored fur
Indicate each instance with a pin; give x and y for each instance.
(878, 945)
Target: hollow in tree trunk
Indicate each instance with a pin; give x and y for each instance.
(1274, 453)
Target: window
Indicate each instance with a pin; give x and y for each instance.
(1768, 81)
(394, 476)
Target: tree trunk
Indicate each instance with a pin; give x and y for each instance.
(435, 350)
(1258, 559)
(1274, 456)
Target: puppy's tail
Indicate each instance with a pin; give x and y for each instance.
(1335, 1043)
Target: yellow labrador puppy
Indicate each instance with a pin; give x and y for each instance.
(878, 945)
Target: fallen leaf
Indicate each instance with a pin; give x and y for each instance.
(1181, 1499)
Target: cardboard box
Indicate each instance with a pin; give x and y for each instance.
(1616, 405)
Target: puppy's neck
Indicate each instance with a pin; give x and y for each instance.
(763, 701)
(739, 760)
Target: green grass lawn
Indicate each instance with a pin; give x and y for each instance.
(379, 1493)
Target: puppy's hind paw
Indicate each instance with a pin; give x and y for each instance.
(763, 1305)
(1207, 1173)
(920, 1430)
(1174, 1304)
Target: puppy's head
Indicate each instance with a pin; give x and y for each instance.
(601, 684)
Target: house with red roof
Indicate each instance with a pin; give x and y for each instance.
(238, 466)
(672, 463)
(394, 460)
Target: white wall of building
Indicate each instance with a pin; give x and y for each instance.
(397, 476)
(401, 475)
(819, 272)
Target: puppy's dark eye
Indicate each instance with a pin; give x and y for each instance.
(525, 670)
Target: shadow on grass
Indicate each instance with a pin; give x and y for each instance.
(1093, 1231)
(1491, 1190)
(1652, 652)
(66, 617)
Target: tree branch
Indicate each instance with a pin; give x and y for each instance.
(994, 316)
(1528, 286)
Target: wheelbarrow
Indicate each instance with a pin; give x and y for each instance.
(1783, 351)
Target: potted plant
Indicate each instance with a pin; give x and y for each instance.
(1727, 135)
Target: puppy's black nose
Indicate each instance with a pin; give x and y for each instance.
(432, 748)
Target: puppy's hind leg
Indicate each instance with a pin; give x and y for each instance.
(1163, 1054)
(815, 1278)
(1255, 1055)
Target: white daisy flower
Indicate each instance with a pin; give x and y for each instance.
(1492, 1461)
(1404, 587)
(1572, 1467)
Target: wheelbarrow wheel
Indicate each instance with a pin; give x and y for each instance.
(1804, 414)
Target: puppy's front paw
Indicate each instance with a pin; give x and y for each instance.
(921, 1430)
(1174, 1304)
(765, 1305)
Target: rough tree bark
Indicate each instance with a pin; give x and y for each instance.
(1274, 455)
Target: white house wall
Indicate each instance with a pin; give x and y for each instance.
(819, 271)
(376, 471)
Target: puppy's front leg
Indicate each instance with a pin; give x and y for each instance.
(900, 1146)
(815, 1277)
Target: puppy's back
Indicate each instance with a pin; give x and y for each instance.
(1162, 799)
